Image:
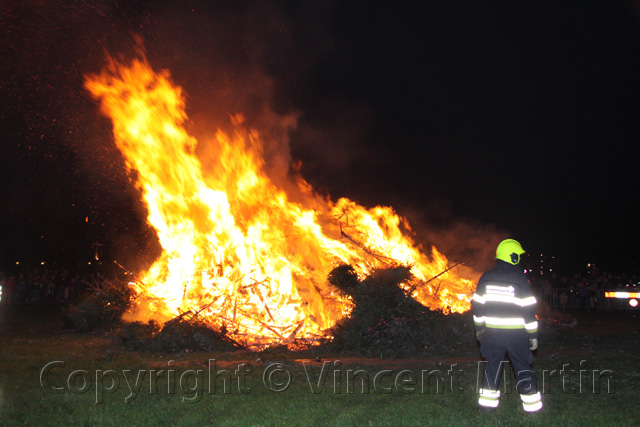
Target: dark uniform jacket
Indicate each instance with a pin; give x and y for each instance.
(504, 300)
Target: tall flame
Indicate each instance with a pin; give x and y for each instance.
(235, 248)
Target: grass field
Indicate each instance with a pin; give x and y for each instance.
(53, 377)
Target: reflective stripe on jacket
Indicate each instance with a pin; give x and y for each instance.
(504, 300)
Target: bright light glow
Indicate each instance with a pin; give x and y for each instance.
(622, 295)
(42, 263)
(633, 302)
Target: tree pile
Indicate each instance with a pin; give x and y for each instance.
(101, 306)
(177, 335)
(101, 309)
(387, 322)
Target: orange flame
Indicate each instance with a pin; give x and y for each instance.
(236, 249)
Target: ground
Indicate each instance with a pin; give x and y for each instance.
(587, 369)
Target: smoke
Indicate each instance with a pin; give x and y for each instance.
(332, 141)
(464, 241)
(468, 242)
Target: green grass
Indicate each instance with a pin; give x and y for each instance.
(30, 339)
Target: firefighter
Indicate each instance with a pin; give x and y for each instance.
(504, 314)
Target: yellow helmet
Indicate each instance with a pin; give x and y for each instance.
(509, 251)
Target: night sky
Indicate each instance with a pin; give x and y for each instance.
(487, 119)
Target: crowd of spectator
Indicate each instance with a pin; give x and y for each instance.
(582, 291)
(43, 286)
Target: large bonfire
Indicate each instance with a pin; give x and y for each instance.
(235, 248)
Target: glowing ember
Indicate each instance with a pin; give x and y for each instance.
(236, 249)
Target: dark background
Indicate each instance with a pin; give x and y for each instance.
(476, 121)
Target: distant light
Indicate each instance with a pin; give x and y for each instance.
(89, 263)
(42, 263)
(17, 262)
(622, 295)
(633, 302)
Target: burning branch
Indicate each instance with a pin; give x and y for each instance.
(413, 288)
(388, 262)
(264, 303)
(135, 279)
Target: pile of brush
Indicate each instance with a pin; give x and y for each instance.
(387, 322)
(101, 306)
(181, 334)
(101, 309)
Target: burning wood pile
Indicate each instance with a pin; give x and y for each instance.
(239, 253)
(384, 320)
